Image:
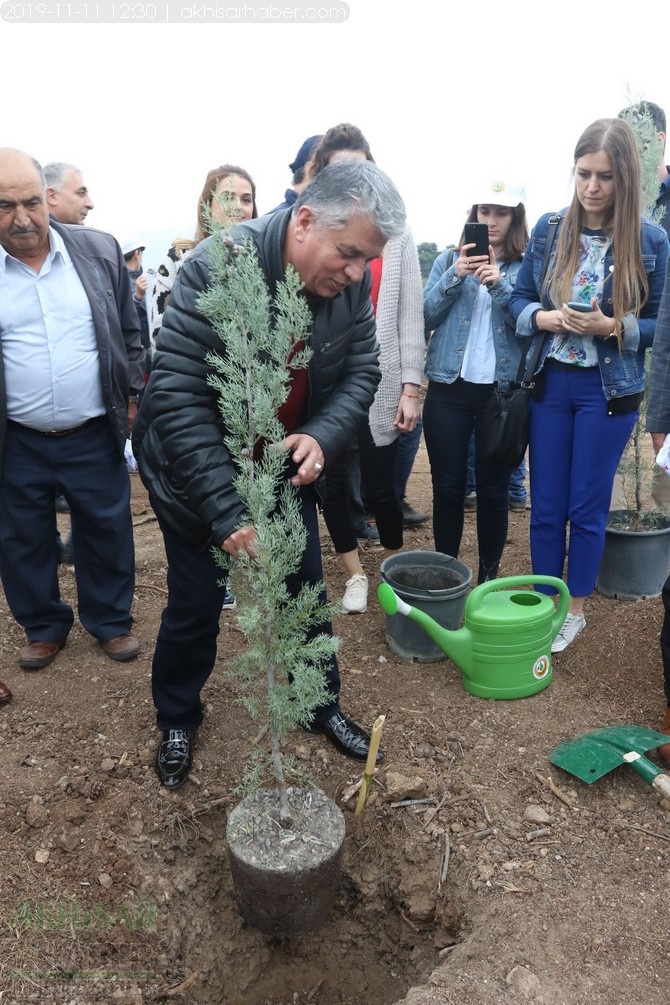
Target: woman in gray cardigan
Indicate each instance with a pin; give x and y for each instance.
(397, 297)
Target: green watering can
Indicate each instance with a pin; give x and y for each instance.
(504, 648)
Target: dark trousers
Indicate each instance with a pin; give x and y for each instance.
(665, 639)
(186, 645)
(90, 471)
(377, 467)
(450, 414)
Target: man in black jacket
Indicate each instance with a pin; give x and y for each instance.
(339, 223)
(69, 355)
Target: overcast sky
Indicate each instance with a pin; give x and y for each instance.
(445, 93)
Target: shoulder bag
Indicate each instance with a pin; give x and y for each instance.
(505, 425)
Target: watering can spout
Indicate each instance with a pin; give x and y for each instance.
(457, 644)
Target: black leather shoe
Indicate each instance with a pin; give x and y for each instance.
(347, 736)
(173, 757)
(412, 517)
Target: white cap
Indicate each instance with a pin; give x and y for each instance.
(500, 191)
(130, 244)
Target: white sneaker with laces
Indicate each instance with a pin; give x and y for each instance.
(355, 599)
(572, 626)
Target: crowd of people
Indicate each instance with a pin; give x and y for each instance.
(585, 294)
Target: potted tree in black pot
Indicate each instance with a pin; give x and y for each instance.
(636, 557)
(285, 841)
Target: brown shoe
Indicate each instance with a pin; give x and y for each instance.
(36, 655)
(5, 694)
(664, 751)
(122, 648)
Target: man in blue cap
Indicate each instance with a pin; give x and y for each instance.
(298, 168)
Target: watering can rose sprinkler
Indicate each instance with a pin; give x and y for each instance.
(504, 648)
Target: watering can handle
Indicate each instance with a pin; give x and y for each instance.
(509, 582)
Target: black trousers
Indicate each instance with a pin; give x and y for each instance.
(186, 646)
(451, 413)
(90, 471)
(377, 467)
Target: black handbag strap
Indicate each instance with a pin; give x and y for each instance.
(525, 373)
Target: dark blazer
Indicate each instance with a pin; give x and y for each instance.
(179, 434)
(100, 266)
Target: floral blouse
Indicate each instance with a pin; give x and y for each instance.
(588, 283)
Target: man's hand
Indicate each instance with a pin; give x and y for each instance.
(241, 540)
(305, 452)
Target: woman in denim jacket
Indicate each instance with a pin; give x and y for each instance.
(472, 347)
(610, 263)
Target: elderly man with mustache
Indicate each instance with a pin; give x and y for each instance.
(71, 369)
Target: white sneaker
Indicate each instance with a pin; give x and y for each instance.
(572, 626)
(355, 599)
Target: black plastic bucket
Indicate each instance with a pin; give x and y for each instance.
(436, 584)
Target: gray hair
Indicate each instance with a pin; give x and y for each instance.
(354, 186)
(56, 172)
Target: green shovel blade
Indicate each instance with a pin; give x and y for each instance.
(593, 755)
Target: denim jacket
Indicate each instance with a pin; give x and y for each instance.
(622, 372)
(448, 303)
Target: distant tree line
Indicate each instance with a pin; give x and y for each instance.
(428, 252)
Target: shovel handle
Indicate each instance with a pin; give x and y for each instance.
(662, 784)
(647, 769)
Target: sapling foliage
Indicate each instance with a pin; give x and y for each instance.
(262, 340)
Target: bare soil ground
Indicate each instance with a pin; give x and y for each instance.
(114, 891)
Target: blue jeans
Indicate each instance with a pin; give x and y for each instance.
(451, 412)
(408, 445)
(517, 483)
(575, 448)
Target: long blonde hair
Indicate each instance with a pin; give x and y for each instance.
(630, 287)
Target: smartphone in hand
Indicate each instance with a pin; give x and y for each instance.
(577, 305)
(477, 234)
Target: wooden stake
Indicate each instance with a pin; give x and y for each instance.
(375, 740)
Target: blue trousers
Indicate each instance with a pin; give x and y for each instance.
(575, 449)
(90, 471)
(450, 414)
(186, 645)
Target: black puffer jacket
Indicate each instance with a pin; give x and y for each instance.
(178, 436)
